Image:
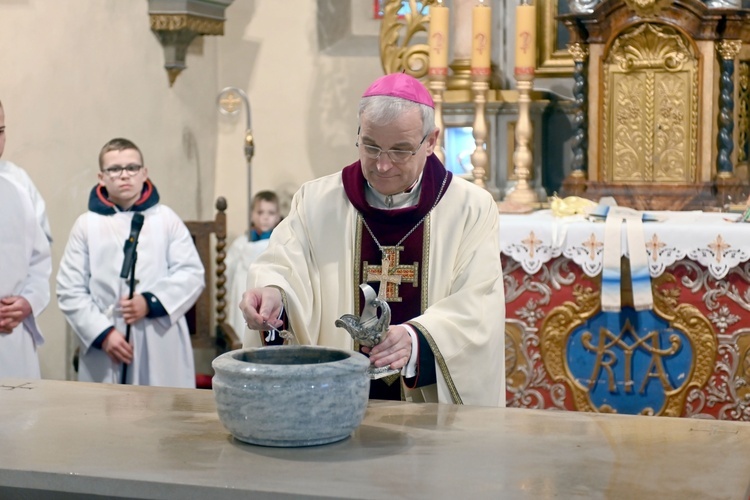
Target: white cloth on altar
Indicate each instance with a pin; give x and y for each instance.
(466, 309)
(19, 175)
(89, 288)
(25, 268)
(711, 239)
(240, 255)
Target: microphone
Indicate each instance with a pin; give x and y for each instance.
(131, 243)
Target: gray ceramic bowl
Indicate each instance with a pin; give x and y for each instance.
(291, 395)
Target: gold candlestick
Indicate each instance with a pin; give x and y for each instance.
(523, 158)
(437, 89)
(479, 159)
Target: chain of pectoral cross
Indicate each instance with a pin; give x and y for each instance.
(387, 267)
(437, 199)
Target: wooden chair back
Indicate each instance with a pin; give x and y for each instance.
(209, 334)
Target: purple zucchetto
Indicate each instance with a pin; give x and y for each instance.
(400, 85)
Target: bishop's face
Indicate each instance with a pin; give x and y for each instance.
(403, 134)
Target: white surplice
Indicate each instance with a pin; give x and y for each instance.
(241, 254)
(89, 288)
(311, 258)
(19, 175)
(25, 268)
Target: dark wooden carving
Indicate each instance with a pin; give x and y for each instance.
(203, 336)
(696, 21)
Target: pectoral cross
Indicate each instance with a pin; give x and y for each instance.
(390, 274)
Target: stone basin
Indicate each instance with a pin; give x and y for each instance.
(291, 395)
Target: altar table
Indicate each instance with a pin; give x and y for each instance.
(69, 439)
(688, 356)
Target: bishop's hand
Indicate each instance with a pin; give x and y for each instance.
(393, 351)
(261, 307)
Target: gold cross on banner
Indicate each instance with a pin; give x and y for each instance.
(390, 274)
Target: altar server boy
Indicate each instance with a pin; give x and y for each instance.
(169, 277)
(25, 268)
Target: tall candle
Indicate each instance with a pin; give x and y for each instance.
(480, 39)
(525, 39)
(438, 39)
(461, 13)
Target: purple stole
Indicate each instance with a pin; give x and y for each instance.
(403, 270)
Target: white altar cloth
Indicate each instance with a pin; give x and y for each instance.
(711, 239)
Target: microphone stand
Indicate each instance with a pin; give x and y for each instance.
(131, 280)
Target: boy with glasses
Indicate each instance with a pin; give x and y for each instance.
(169, 278)
(397, 220)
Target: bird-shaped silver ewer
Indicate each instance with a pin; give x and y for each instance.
(369, 329)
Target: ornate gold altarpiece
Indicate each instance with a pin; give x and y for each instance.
(656, 86)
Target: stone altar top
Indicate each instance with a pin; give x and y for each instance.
(146, 442)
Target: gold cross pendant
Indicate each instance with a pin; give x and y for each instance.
(390, 273)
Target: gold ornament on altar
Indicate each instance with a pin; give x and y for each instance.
(570, 205)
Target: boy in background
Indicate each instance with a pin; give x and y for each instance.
(265, 216)
(168, 272)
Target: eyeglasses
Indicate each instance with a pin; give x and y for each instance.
(396, 155)
(117, 170)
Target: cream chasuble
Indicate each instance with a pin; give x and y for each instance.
(313, 258)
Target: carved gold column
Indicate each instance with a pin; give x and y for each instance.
(438, 67)
(727, 184)
(575, 183)
(480, 86)
(728, 51)
(523, 159)
(461, 35)
(481, 57)
(437, 89)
